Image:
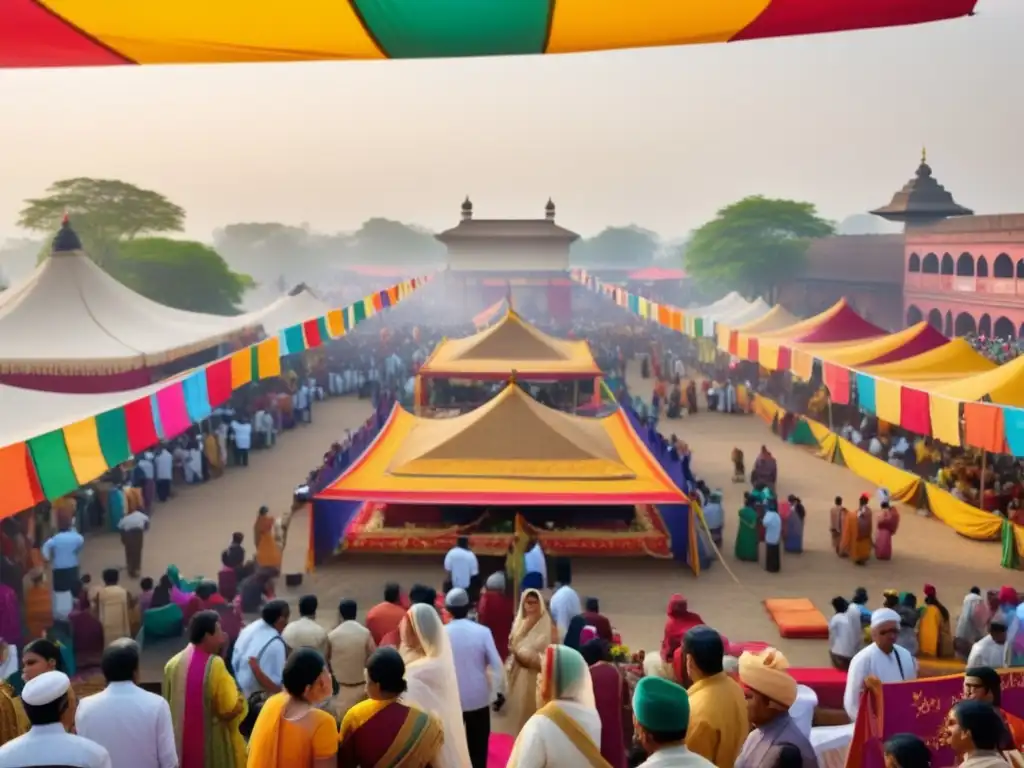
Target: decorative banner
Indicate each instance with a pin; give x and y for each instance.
(54, 464)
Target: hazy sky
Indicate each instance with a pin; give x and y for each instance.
(658, 137)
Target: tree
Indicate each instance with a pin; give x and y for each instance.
(105, 212)
(617, 246)
(754, 244)
(270, 251)
(182, 274)
(386, 241)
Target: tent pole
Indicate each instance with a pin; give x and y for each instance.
(575, 394)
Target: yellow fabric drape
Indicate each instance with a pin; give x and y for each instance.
(268, 358)
(966, 520)
(83, 444)
(945, 415)
(904, 486)
(887, 401)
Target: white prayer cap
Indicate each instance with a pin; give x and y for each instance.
(46, 688)
(457, 598)
(884, 616)
(496, 581)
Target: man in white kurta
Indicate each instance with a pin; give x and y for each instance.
(990, 651)
(883, 659)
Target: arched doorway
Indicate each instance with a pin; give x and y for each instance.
(914, 315)
(985, 325)
(930, 265)
(981, 269)
(964, 325)
(965, 265)
(1003, 328)
(947, 327)
(935, 320)
(914, 265)
(1002, 267)
(947, 267)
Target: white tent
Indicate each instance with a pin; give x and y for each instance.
(299, 305)
(755, 311)
(69, 317)
(728, 305)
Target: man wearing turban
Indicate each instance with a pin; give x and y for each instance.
(661, 720)
(777, 739)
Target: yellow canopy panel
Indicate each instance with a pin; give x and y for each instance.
(801, 327)
(902, 344)
(1003, 385)
(511, 345)
(950, 362)
(511, 451)
(779, 317)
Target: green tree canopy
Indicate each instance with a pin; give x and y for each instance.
(754, 245)
(386, 241)
(617, 246)
(182, 274)
(104, 213)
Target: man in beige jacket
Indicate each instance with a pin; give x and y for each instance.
(350, 647)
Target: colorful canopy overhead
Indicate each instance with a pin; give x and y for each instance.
(740, 337)
(758, 309)
(909, 342)
(656, 275)
(838, 323)
(511, 345)
(949, 362)
(512, 451)
(1003, 385)
(70, 318)
(68, 33)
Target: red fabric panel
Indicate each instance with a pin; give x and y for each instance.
(837, 379)
(807, 17)
(81, 385)
(33, 36)
(915, 412)
(218, 382)
(734, 342)
(984, 428)
(20, 489)
(785, 360)
(925, 341)
(752, 350)
(378, 305)
(138, 417)
(844, 325)
(312, 331)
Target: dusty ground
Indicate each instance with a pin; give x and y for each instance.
(193, 528)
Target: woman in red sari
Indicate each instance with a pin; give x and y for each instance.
(888, 524)
(613, 701)
(680, 619)
(496, 610)
(380, 731)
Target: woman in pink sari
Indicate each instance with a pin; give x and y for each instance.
(206, 705)
(613, 701)
(888, 523)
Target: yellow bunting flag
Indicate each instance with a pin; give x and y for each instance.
(268, 358)
(335, 324)
(945, 414)
(241, 368)
(83, 444)
(887, 401)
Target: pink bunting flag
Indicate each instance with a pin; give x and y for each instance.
(173, 411)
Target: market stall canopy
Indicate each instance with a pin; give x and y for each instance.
(70, 318)
(949, 362)
(301, 304)
(739, 338)
(483, 319)
(511, 451)
(909, 342)
(700, 321)
(511, 345)
(1003, 385)
(838, 323)
(758, 309)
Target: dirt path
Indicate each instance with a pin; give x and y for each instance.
(193, 528)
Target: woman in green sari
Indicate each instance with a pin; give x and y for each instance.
(746, 533)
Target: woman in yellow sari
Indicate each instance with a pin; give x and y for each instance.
(211, 448)
(532, 632)
(268, 550)
(291, 730)
(382, 732)
(934, 636)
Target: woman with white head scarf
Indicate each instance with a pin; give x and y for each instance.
(433, 686)
(532, 632)
(566, 731)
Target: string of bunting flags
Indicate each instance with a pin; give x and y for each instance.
(55, 463)
(994, 427)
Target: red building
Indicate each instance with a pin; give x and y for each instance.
(488, 258)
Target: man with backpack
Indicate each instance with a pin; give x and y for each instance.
(257, 660)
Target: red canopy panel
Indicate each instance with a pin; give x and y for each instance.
(844, 325)
(927, 340)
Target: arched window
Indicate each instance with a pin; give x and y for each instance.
(982, 267)
(964, 325)
(930, 265)
(964, 265)
(935, 320)
(947, 264)
(1020, 269)
(914, 315)
(914, 265)
(985, 325)
(1002, 266)
(947, 327)
(1003, 328)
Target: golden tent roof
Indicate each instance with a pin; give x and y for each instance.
(909, 342)
(950, 362)
(511, 451)
(778, 318)
(510, 345)
(1003, 385)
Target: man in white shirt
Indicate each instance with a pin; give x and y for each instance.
(535, 561)
(242, 430)
(45, 699)
(306, 632)
(565, 602)
(883, 659)
(260, 651)
(772, 523)
(461, 564)
(133, 725)
(474, 652)
(843, 640)
(164, 464)
(990, 651)
(302, 405)
(133, 527)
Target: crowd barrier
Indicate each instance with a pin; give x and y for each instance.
(906, 487)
